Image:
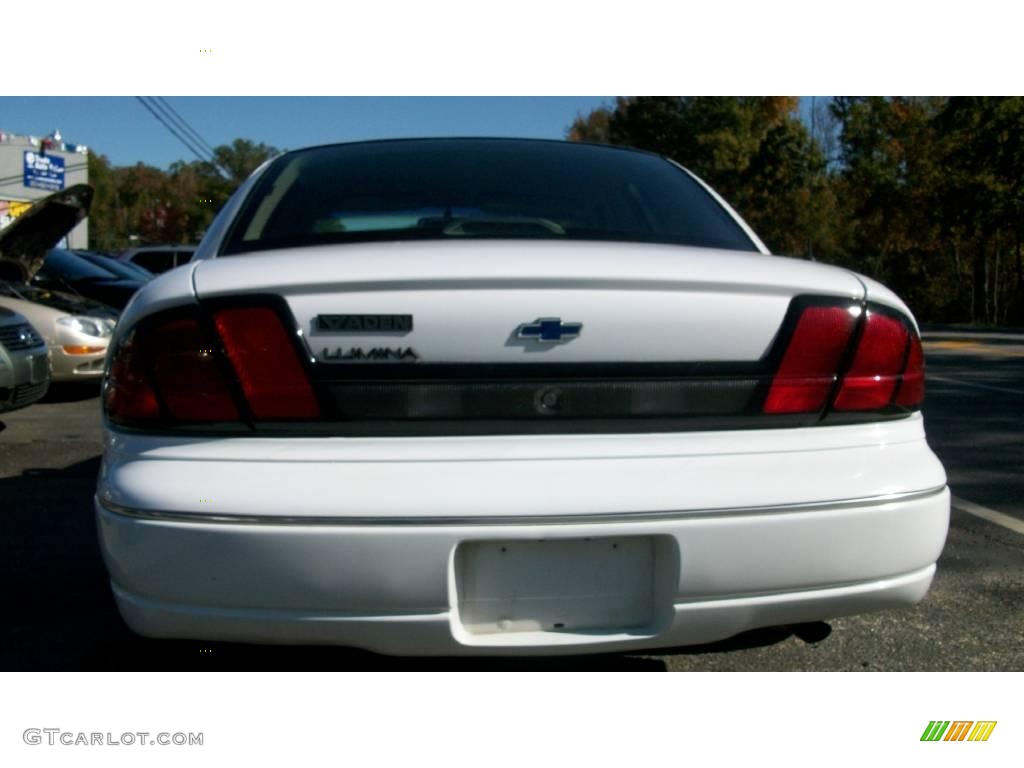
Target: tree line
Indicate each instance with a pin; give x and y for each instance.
(139, 204)
(922, 193)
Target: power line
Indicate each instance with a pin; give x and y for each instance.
(177, 135)
(151, 107)
(186, 130)
(169, 121)
(169, 112)
(183, 123)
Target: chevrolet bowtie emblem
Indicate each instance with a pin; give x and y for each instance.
(549, 329)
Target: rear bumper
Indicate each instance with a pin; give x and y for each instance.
(347, 542)
(441, 634)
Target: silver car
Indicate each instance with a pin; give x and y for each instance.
(77, 329)
(24, 374)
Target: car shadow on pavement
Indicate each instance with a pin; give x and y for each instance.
(60, 614)
(71, 391)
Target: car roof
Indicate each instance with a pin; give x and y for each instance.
(506, 140)
(160, 247)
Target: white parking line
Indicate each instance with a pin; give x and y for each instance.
(978, 386)
(1006, 521)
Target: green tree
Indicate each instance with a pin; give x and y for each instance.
(755, 151)
(889, 189)
(983, 199)
(103, 214)
(592, 127)
(932, 191)
(144, 204)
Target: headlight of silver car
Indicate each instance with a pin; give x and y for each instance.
(97, 327)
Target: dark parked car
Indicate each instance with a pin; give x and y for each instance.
(67, 271)
(125, 269)
(159, 258)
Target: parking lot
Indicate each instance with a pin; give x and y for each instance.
(59, 614)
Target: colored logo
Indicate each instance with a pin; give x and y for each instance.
(44, 171)
(549, 329)
(958, 730)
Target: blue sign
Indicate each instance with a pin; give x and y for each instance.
(44, 171)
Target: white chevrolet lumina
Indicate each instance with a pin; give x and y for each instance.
(486, 396)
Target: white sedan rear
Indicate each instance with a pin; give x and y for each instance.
(470, 396)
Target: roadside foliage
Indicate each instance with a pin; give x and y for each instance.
(924, 194)
(141, 204)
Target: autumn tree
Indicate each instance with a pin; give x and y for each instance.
(932, 191)
(592, 127)
(104, 229)
(983, 200)
(755, 151)
(145, 204)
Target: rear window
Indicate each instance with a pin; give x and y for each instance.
(440, 189)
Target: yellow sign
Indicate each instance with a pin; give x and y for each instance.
(10, 210)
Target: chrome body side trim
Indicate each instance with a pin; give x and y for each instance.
(618, 517)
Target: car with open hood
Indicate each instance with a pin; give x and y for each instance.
(496, 396)
(77, 330)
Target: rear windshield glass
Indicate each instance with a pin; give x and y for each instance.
(155, 261)
(466, 188)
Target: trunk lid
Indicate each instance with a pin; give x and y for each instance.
(483, 302)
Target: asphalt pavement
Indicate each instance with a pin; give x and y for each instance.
(59, 614)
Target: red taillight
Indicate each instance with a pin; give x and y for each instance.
(887, 366)
(266, 363)
(911, 391)
(173, 370)
(128, 395)
(808, 368)
(189, 373)
(873, 376)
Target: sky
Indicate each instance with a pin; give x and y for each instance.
(122, 129)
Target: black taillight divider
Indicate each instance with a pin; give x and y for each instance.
(832, 415)
(279, 306)
(772, 359)
(206, 325)
(911, 334)
(846, 361)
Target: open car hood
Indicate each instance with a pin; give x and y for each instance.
(24, 243)
(62, 302)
